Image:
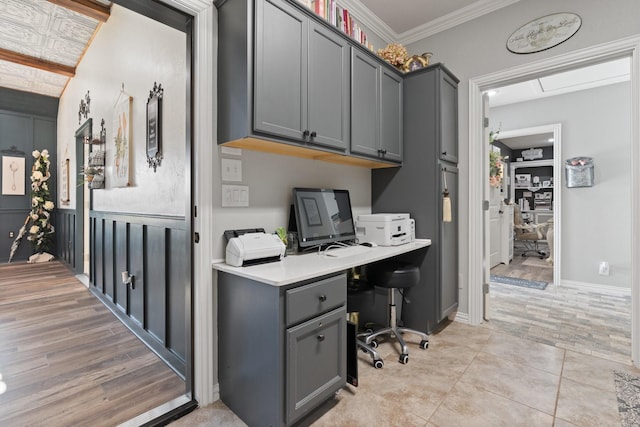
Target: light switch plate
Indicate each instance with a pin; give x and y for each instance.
(235, 196)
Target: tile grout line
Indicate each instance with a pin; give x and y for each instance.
(555, 408)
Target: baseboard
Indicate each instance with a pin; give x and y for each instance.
(459, 317)
(605, 289)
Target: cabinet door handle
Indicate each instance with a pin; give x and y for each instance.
(444, 153)
(313, 134)
(305, 133)
(322, 298)
(321, 337)
(384, 151)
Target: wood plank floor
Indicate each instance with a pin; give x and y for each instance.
(66, 359)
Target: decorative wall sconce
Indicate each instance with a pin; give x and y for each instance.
(85, 107)
(154, 126)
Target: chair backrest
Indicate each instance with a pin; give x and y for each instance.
(517, 215)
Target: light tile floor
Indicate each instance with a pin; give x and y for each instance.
(469, 376)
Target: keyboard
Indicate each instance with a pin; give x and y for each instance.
(346, 251)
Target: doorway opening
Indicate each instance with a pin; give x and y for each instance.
(478, 152)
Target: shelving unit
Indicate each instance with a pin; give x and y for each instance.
(534, 196)
(96, 162)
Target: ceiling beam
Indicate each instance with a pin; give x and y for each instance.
(30, 61)
(88, 8)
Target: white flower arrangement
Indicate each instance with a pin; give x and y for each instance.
(38, 224)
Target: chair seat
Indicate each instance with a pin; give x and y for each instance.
(393, 274)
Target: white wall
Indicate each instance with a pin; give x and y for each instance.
(595, 220)
(270, 178)
(135, 51)
(477, 48)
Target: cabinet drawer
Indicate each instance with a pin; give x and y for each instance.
(315, 298)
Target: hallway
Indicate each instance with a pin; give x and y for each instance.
(66, 359)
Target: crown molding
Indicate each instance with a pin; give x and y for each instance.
(366, 17)
(370, 20)
(460, 16)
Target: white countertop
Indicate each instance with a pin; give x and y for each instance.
(296, 268)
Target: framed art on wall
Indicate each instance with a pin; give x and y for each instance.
(122, 141)
(154, 126)
(544, 33)
(13, 176)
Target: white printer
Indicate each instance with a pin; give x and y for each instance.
(254, 248)
(385, 229)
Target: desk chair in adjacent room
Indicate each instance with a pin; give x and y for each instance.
(528, 234)
(394, 275)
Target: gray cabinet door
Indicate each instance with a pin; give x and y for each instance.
(328, 90)
(449, 245)
(316, 362)
(391, 115)
(280, 74)
(365, 104)
(448, 119)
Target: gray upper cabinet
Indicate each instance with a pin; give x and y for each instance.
(418, 189)
(448, 117)
(285, 82)
(376, 108)
(301, 84)
(280, 85)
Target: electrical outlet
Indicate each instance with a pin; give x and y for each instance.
(604, 268)
(11, 234)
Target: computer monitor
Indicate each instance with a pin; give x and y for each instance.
(323, 216)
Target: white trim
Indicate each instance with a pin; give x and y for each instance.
(204, 139)
(457, 17)
(460, 318)
(624, 47)
(557, 171)
(596, 287)
(370, 20)
(156, 412)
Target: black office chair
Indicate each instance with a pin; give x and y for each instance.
(394, 275)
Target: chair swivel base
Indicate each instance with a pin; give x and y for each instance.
(376, 360)
(397, 332)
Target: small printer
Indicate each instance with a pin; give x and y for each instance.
(385, 229)
(254, 248)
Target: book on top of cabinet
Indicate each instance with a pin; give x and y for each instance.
(339, 17)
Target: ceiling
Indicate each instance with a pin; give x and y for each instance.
(43, 41)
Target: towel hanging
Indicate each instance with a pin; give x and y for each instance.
(446, 200)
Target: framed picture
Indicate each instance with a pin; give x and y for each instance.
(154, 126)
(122, 141)
(544, 33)
(13, 176)
(523, 180)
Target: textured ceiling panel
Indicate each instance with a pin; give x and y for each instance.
(42, 30)
(27, 79)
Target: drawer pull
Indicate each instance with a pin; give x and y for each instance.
(322, 298)
(321, 337)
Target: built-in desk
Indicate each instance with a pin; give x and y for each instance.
(282, 332)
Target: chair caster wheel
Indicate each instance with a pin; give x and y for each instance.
(374, 344)
(404, 359)
(424, 344)
(378, 364)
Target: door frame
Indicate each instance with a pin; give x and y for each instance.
(556, 129)
(627, 47)
(83, 133)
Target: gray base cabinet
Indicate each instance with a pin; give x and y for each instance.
(430, 127)
(282, 350)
